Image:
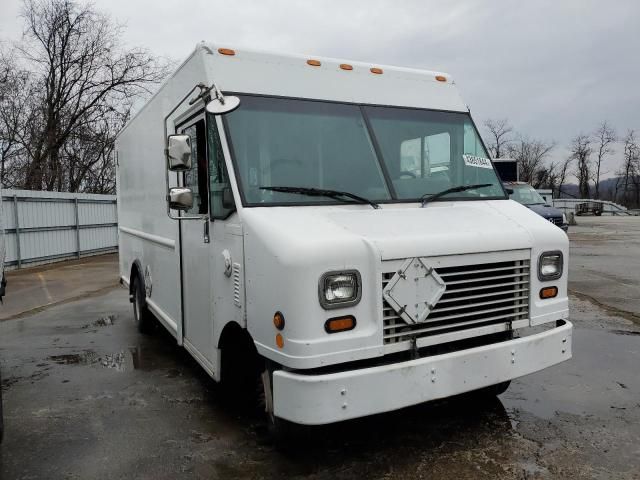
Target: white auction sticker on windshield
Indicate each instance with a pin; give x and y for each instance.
(479, 162)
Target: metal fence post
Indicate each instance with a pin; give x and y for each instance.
(77, 227)
(17, 222)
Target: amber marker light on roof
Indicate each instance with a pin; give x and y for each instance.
(441, 78)
(226, 51)
(346, 66)
(376, 70)
(314, 63)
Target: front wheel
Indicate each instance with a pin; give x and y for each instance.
(493, 390)
(141, 313)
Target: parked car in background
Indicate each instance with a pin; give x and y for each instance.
(528, 196)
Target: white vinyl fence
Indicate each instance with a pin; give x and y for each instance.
(42, 227)
(608, 208)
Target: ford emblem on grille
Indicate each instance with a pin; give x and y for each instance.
(414, 290)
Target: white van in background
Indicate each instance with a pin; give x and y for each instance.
(335, 230)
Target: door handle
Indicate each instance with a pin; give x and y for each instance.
(206, 238)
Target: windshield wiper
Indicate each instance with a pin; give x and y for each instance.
(319, 192)
(426, 198)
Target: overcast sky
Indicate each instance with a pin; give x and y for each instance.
(553, 68)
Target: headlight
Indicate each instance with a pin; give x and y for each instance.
(550, 266)
(339, 289)
(564, 219)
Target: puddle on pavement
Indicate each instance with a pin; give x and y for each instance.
(600, 376)
(625, 332)
(86, 357)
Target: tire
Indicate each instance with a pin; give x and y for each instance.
(240, 372)
(498, 389)
(141, 314)
(284, 434)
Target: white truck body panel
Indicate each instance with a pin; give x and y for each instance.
(263, 260)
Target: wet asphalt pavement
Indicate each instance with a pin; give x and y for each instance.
(87, 397)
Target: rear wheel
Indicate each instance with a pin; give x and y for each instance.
(141, 313)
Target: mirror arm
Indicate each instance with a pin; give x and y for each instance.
(202, 88)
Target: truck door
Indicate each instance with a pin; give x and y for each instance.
(196, 254)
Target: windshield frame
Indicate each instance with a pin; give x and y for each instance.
(378, 157)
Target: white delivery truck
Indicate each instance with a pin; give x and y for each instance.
(337, 230)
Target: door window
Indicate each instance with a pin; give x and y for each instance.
(196, 178)
(222, 204)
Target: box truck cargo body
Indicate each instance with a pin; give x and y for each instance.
(336, 231)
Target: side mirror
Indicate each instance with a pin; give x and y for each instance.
(223, 104)
(227, 198)
(179, 153)
(180, 199)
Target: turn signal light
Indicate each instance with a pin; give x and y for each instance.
(226, 51)
(279, 341)
(441, 78)
(340, 324)
(548, 292)
(278, 320)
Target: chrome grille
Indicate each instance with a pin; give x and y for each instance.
(475, 296)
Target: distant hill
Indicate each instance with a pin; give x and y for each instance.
(606, 186)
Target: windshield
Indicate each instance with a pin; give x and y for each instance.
(526, 195)
(381, 154)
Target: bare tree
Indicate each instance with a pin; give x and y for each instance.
(630, 166)
(563, 173)
(531, 155)
(605, 137)
(78, 71)
(13, 104)
(500, 136)
(547, 177)
(581, 151)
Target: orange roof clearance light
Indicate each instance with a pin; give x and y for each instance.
(441, 78)
(226, 51)
(376, 70)
(346, 66)
(313, 63)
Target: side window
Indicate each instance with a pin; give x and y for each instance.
(472, 145)
(196, 178)
(222, 204)
(426, 156)
(410, 158)
(437, 153)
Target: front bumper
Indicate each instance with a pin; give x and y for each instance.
(333, 397)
